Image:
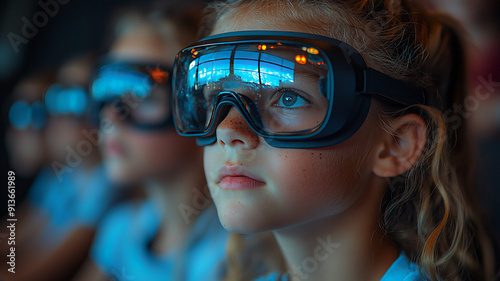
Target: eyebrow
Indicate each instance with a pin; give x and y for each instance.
(307, 74)
(307, 70)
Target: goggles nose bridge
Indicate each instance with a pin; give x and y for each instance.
(247, 108)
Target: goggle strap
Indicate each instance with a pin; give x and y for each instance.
(390, 89)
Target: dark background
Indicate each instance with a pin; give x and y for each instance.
(78, 26)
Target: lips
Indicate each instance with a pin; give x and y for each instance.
(112, 147)
(237, 178)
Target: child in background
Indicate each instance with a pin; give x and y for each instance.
(71, 194)
(27, 118)
(339, 147)
(25, 144)
(173, 233)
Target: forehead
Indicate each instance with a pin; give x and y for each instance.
(29, 90)
(246, 23)
(242, 19)
(277, 16)
(144, 44)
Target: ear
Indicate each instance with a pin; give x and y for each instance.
(400, 151)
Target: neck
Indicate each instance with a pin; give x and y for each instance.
(348, 246)
(167, 195)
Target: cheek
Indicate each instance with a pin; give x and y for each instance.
(161, 153)
(321, 181)
(210, 158)
(301, 185)
(26, 150)
(64, 135)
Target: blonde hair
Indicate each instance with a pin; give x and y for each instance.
(429, 212)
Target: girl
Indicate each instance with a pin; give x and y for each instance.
(340, 146)
(173, 233)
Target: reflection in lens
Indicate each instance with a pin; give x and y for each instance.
(115, 81)
(260, 74)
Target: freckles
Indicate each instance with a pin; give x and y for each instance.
(314, 170)
(304, 169)
(315, 157)
(243, 128)
(283, 156)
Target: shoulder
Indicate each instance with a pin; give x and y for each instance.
(121, 217)
(41, 186)
(111, 234)
(403, 269)
(98, 198)
(117, 220)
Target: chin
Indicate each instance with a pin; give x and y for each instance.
(120, 176)
(238, 218)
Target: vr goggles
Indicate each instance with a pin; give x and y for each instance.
(296, 90)
(23, 115)
(66, 100)
(139, 93)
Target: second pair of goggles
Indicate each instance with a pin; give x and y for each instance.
(66, 100)
(296, 90)
(24, 115)
(137, 92)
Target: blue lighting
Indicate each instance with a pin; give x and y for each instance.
(66, 100)
(22, 115)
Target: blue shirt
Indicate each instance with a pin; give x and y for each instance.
(81, 198)
(121, 246)
(401, 270)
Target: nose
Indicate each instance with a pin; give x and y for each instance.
(109, 114)
(234, 131)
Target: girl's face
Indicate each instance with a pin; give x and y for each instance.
(257, 187)
(130, 155)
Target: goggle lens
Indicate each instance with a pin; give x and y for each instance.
(139, 93)
(280, 86)
(61, 100)
(22, 115)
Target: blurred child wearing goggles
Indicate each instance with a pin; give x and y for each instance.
(138, 92)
